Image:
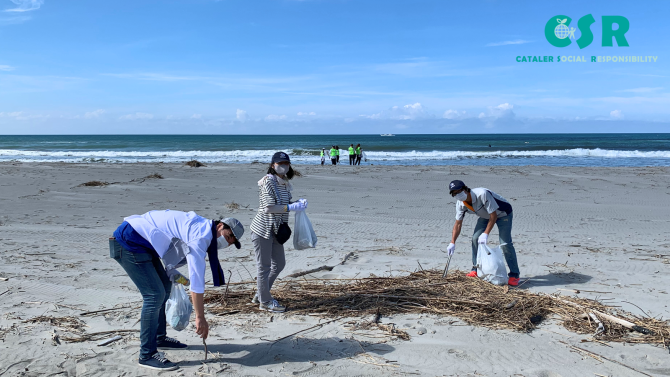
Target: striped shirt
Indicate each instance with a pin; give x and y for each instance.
(264, 223)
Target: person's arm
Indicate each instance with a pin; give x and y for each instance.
(201, 325)
(492, 221)
(456, 231)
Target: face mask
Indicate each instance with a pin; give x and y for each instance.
(462, 196)
(281, 169)
(221, 242)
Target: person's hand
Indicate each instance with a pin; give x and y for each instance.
(451, 248)
(201, 327)
(303, 201)
(297, 206)
(177, 277)
(483, 238)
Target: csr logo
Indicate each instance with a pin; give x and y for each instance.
(559, 33)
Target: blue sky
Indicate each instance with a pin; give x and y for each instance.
(323, 66)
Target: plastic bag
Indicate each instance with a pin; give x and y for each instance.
(303, 233)
(491, 265)
(178, 308)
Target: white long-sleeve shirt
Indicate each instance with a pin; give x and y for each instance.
(160, 227)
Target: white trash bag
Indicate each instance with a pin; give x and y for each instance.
(491, 265)
(178, 308)
(303, 233)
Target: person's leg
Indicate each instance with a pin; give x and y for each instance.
(479, 229)
(332, 161)
(278, 260)
(505, 234)
(263, 249)
(167, 285)
(142, 272)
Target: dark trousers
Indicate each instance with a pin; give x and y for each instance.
(338, 158)
(358, 159)
(148, 274)
(333, 160)
(352, 159)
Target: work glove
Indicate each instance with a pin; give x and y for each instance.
(451, 248)
(483, 239)
(176, 277)
(304, 201)
(297, 206)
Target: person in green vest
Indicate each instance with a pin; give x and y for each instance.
(359, 154)
(323, 155)
(333, 155)
(352, 155)
(337, 153)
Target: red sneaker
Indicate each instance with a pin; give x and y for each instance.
(472, 274)
(513, 282)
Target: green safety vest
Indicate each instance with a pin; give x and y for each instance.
(321, 153)
(351, 150)
(337, 152)
(358, 150)
(333, 152)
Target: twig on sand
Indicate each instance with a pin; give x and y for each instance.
(96, 335)
(592, 354)
(322, 268)
(110, 340)
(84, 314)
(303, 330)
(205, 344)
(4, 292)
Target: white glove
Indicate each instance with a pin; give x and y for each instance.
(303, 201)
(176, 277)
(451, 248)
(483, 238)
(297, 206)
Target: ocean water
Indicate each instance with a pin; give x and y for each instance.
(496, 149)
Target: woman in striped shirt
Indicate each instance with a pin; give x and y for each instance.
(274, 206)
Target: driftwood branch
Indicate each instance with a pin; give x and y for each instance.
(611, 318)
(322, 268)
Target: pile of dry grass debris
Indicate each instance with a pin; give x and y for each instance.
(474, 301)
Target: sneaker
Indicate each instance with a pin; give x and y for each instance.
(158, 361)
(513, 281)
(272, 306)
(171, 343)
(255, 300)
(472, 274)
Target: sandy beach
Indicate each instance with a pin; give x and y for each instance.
(602, 231)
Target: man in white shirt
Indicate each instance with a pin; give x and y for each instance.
(492, 209)
(150, 248)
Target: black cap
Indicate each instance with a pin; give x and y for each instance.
(456, 185)
(280, 157)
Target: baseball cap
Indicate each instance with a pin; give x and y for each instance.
(236, 227)
(280, 157)
(456, 185)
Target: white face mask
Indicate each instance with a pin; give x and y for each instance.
(281, 169)
(462, 196)
(221, 243)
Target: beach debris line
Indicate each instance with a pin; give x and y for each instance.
(474, 301)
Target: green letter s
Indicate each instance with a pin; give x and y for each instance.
(584, 25)
(608, 33)
(551, 26)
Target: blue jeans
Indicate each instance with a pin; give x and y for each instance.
(504, 225)
(148, 274)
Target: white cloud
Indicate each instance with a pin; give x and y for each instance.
(94, 114)
(407, 112)
(196, 116)
(306, 113)
(454, 114)
(506, 43)
(241, 115)
(20, 115)
(273, 117)
(25, 5)
(137, 116)
(6, 68)
(640, 90)
(616, 114)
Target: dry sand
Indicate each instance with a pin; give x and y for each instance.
(598, 230)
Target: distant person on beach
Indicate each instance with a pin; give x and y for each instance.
(352, 155)
(269, 229)
(492, 209)
(176, 238)
(333, 155)
(337, 153)
(359, 154)
(323, 156)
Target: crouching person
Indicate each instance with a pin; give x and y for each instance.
(174, 238)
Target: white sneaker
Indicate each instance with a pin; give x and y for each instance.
(255, 300)
(272, 306)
